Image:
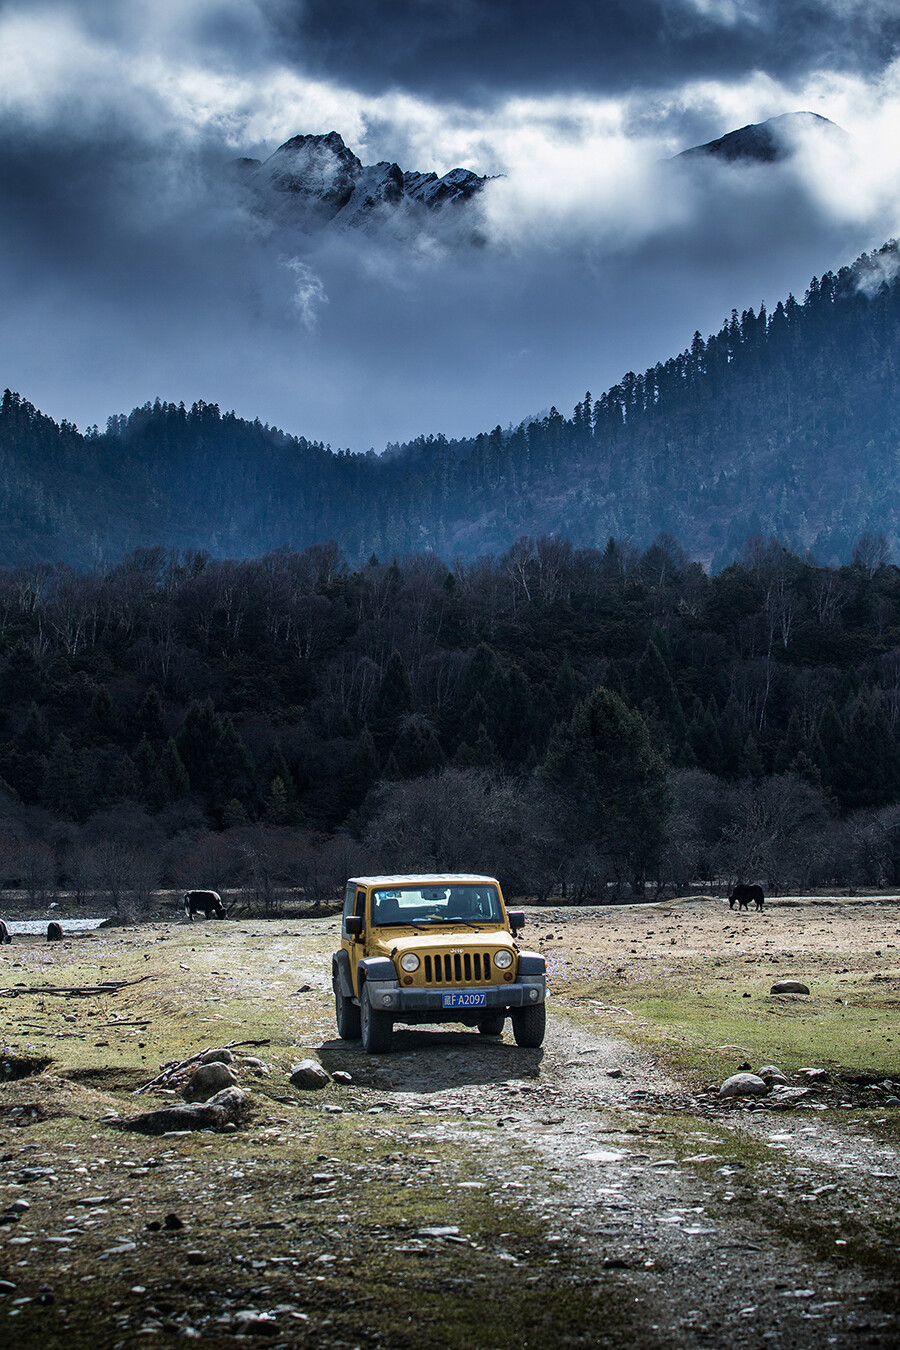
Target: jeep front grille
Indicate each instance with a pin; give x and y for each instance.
(458, 968)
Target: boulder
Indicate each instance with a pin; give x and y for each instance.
(206, 1081)
(225, 1108)
(771, 1073)
(789, 987)
(743, 1085)
(223, 1056)
(309, 1074)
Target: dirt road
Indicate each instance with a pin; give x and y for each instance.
(480, 1195)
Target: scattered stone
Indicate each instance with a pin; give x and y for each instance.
(789, 987)
(207, 1080)
(256, 1066)
(305, 989)
(196, 1258)
(892, 1101)
(341, 1076)
(437, 1232)
(771, 1073)
(309, 1074)
(222, 1056)
(614, 1073)
(172, 1222)
(256, 1323)
(614, 1263)
(813, 1075)
(226, 1107)
(19, 1206)
(7, 1287)
(743, 1085)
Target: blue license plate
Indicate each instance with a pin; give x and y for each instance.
(460, 999)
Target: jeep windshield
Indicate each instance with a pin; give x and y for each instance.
(416, 905)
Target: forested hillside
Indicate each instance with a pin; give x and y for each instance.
(571, 718)
(784, 423)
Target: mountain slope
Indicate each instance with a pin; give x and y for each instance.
(765, 142)
(785, 424)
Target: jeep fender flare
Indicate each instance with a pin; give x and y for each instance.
(374, 968)
(340, 973)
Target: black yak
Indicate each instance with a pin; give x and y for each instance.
(742, 895)
(207, 903)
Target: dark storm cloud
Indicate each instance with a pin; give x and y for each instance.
(487, 48)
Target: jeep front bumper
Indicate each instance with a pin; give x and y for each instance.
(391, 996)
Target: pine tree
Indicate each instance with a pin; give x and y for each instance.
(196, 743)
(233, 767)
(170, 782)
(277, 811)
(146, 763)
(61, 790)
(35, 734)
(103, 726)
(393, 700)
(611, 785)
(149, 720)
(126, 785)
(362, 774)
(481, 755)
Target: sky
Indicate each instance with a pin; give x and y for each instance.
(134, 265)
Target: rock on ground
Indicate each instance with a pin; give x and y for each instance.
(743, 1085)
(225, 1108)
(207, 1080)
(309, 1074)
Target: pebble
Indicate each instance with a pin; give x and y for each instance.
(309, 1074)
(892, 1101)
(614, 1073)
(341, 1076)
(7, 1287)
(743, 1085)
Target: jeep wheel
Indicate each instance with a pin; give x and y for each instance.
(528, 1025)
(492, 1024)
(376, 1028)
(347, 1016)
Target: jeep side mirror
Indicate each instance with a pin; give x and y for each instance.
(516, 919)
(353, 925)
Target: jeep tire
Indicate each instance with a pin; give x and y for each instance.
(492, 1024)
(346, 1015)
(376, 1028)
(528, 1025)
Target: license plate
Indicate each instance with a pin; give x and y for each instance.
(459, 999)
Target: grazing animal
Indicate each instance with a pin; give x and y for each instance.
(4, 933)
(207, 903)
(54, 932)
(742, 895)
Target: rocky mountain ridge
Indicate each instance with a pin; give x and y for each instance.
(319, 180)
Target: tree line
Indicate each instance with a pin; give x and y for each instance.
(783, 423)
(585, 722)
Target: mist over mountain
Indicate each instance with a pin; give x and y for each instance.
(784, 423)
(313, 181)
(767, 142)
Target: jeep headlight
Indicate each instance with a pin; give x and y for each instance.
(503, 960)
(409, 961)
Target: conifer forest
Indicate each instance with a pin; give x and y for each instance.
(585, 722)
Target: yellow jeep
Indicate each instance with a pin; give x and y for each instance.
(420, 949)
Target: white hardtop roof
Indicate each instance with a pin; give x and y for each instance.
(431, 879)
